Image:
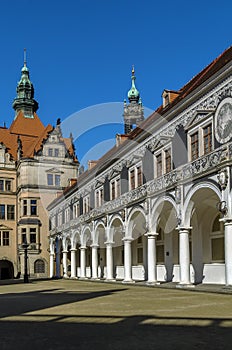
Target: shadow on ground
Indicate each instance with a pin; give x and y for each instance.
(84, 332)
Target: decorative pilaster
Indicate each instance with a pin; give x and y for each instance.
(73, 263)
(83, 262)
(94, 261)
(184, 255)
(109, 261)
(151, 257)
(65, 263)
(127, 260)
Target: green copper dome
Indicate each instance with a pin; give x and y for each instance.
(133, 93)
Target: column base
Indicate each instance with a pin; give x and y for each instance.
(128, 282)
(66, 277)
(110, 280)
(185, 285)
(228, 287)
(152, 283)
(83, 278)
(95, 279)
(73, 278)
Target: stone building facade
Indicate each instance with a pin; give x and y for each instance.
(157, 207)
(36, 163)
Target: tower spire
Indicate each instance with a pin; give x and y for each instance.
(133, 111)
(25, 57)
(24, 100)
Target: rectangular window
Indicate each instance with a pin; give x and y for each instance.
(86, 205)
(99, 197)
(139, 176)
(1, 185)
(118, 188)
(159, 165)
(2, 211)
(10, 212)
(32, 235)
(76, 210)
(56, 152)
(168, 163)
(50, 179)
(33, 207)
(194, 146)
(132, 179)
(207, 138)
(113, 194)
(8, 185)
(50, 152)
(24, 235)
(24, 207)
(57, 180)
(6, 238)
(115, 188)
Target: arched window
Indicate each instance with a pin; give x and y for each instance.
(39, 266)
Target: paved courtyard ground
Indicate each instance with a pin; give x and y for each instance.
(71, 314)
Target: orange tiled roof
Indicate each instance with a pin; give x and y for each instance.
(32, 133)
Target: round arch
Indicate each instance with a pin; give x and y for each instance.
(189, 203)
(159, 206)
(6, 269)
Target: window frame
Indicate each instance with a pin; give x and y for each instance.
(135, 170)
(161, 153)
(199, 130)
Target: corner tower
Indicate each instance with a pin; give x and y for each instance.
(133, 111)
(24, 100)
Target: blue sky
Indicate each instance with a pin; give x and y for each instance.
(80, 54)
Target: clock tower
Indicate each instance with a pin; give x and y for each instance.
(133, 111)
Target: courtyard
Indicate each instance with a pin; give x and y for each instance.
(73, 314)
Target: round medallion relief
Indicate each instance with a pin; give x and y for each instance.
(223, 120)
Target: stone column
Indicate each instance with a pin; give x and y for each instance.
(65, 264)
(109, 261)
(73, 263)
(83, 262)
(151, 257)
(51, 265)
(228, 251)
(184, 255)
(57, 258)
(94, 261)
(52, 255)
(127, 260)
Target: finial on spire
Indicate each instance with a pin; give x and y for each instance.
(25, 57)
(133, 69)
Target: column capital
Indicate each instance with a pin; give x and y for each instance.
(109, 243)
(83, 247)
(73, 249)
(64, 251)
(151, 234)
(226, 220)
(127, 239)
(184, 229)
(94, 245)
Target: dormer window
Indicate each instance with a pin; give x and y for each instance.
(168, 97)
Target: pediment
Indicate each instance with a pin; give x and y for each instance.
(54, 171)
(199, 116)
(5, 228)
